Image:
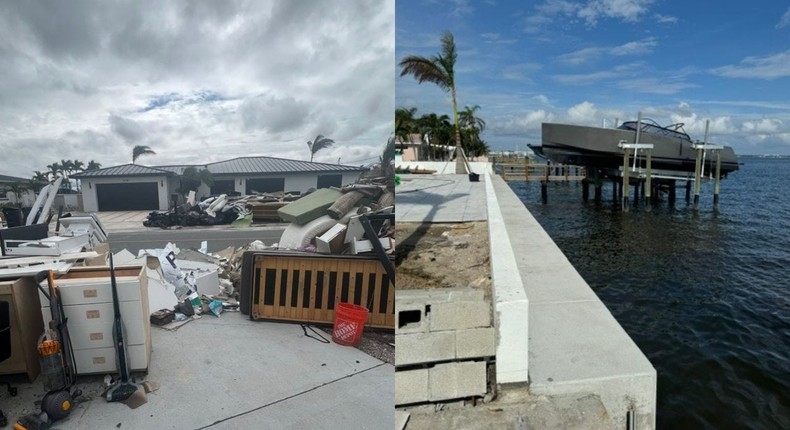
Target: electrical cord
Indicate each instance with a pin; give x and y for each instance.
(320, 338)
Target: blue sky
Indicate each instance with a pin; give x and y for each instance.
(584, 62)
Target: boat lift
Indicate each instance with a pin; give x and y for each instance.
(699, 169)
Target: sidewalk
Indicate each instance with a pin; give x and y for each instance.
(440, 198)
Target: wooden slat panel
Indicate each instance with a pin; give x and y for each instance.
(322, 313)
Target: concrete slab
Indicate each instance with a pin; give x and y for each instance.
(339, 405)
(575, 344)
(215, 369)
(511, 305)
(439, 198)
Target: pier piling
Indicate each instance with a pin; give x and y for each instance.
(544, 191)
(672, 189)
(716, 185)
(585, 190)
(626, 177)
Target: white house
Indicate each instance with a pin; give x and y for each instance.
(136, 187)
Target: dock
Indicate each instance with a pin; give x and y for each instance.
(540, 172)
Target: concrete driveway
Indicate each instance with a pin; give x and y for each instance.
(229, 372)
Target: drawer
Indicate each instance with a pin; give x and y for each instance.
(99, 335)
(94, 290)
(97, 315)
(102, 360)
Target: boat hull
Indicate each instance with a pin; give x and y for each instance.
(596, 147)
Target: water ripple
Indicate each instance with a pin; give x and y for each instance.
(704, 296)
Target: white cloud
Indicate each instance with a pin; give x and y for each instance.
(770, 67)
(196, 81)
(521, 124)
(764, 125)
(665, 19)
(655, 85)
(626, 10)
(636, 47)
(540, 98)
(586, 55)
(593, 77)
(583, 113)
(590, 11)
(784, 21)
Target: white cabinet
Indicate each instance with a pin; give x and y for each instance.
(86, 293)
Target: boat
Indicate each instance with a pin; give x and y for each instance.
(597, 148)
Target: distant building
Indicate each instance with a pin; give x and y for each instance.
(137, 187)
(7, 196)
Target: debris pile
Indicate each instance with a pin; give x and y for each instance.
(332, 221)
(222, 209)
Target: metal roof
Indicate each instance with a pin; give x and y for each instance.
(235, 166)
(6, 178)
(253, 165)
(123, 170)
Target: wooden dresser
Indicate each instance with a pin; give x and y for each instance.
(87, 302)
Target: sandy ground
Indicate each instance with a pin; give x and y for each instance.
(443, 256)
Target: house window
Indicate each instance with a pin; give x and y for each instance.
(326, 181)
(265, 185)
(224, 186)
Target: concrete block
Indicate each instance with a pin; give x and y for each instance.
(411, 386)
(457, 380)
(418, 348)
(475, 343)
(460, 315)
(439, 295)
(410, 318)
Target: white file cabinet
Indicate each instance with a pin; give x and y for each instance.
(86, 293)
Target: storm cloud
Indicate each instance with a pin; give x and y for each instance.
(198, 81)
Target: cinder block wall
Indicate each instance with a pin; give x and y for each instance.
(444, 342)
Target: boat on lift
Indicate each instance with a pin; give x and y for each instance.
(598, 148)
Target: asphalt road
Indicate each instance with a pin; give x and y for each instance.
(218, 238)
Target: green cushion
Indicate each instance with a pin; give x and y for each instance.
(309, 207)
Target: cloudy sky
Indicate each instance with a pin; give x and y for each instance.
(587, 61)
(197, 81)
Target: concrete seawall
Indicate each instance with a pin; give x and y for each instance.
(574, 344)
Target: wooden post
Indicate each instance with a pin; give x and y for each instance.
(637, 187)
(526, 170)
(585, 190)
(567, 170)
(716, 184)
(688, 191)
(544, 192)
(648, 178)
(672, 195)
(626, 177)
(697, 178)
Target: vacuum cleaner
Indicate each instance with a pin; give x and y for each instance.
(58, 368)
(122, 389)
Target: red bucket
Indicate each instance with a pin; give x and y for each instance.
(349, 321)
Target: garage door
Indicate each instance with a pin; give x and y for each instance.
(136, 196)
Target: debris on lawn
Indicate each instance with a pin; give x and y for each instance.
(239, 211)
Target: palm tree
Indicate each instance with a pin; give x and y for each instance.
(318, 144)
(436, 130)
(92, 165)
(469, 118)
(405, 124)
(54, 169)
(38, 181)
(439, 70)
(141, 150)
(18, 188)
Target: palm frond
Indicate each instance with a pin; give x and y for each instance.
(425, 70)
